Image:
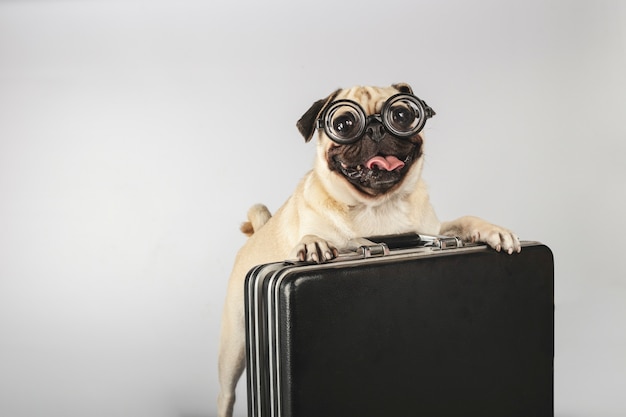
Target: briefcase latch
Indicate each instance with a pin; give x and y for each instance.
(441, 242)
(368, 249)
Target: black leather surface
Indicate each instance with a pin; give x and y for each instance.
(456, 334)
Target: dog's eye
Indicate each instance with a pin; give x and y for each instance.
(402, 117)
(344, 124)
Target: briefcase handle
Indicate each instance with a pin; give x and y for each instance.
(415, 240)
(383, 245)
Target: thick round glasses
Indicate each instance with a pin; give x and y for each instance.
(402, 115)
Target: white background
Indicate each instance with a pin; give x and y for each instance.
(134, 135)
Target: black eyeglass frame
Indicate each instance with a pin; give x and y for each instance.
(424, 111)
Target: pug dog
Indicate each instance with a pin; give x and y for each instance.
(366, 181)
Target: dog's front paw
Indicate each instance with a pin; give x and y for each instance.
(312, 248)
(497, 237)
(478, 230)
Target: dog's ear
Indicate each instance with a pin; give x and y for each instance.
(306, 124)
(403, 88)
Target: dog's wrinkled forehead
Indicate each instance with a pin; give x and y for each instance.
(371, 99)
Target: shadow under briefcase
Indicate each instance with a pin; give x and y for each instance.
(405, 325)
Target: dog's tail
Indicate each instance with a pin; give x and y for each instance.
(258, 215)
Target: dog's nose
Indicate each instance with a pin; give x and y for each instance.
(375, 130)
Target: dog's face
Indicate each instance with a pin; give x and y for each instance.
(377, 162)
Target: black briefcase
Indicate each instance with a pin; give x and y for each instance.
(403, 326)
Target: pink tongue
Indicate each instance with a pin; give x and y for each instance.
(388, 163)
